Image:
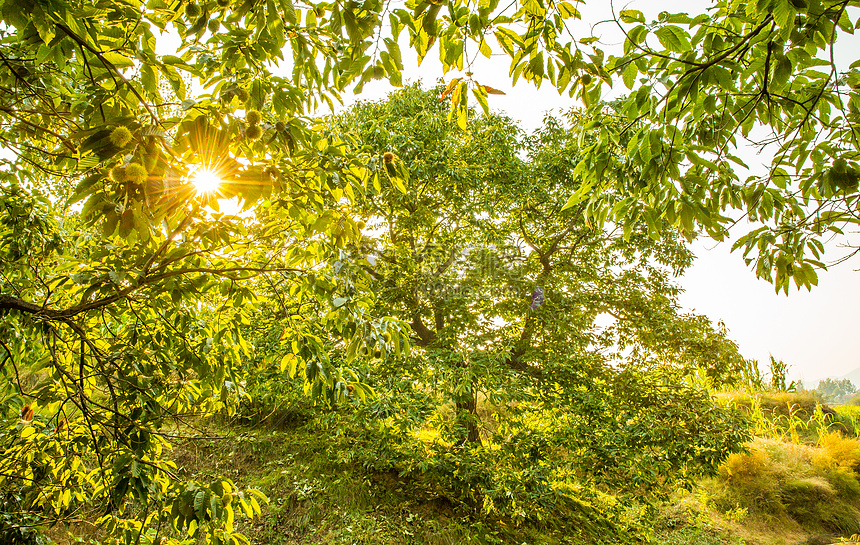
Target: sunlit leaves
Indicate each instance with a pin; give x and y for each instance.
(631, 16)
(693, 99)
(673, 38)
(501, 284)
(143, 295)
(705, 83)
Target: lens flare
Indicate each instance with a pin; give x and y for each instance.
(205, 180)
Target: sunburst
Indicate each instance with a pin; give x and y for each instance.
(205, 180)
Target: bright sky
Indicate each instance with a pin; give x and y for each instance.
(815, 333)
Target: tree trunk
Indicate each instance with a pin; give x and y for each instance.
(467, 413)
(466, 403)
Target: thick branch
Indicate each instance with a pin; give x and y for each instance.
(518, 351)
(7, 302)
(425, 335)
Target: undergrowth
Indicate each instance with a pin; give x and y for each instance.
(332, 478)
(319, 494)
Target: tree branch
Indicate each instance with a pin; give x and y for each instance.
(8, 302)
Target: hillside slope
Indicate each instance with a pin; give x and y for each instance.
(787, 489)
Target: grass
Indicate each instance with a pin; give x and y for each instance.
(802, 403)
(798, 482)
(779, 492)
(793, 416)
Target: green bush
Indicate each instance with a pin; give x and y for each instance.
(750, 480)
(18, 529)
(815, 486)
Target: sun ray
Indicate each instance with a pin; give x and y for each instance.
(205, 180)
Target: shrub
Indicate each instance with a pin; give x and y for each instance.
(745, 467)
(838, 451)
(801, 403)
(845, 482)
(773, 405)
(810, 502)
(806, 491)
(749, 480)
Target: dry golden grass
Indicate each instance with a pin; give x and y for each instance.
(802, 403)
(783, 492)
(837, 451)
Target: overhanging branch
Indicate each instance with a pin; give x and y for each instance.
(8, 302)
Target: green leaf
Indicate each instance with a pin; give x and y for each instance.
(567, 11)
(629, 75)
(462, 121)
(484, 48)
(674, 38)
(398, 183)
(783, 14)
(534, 8)
(631, 16)
(579, 196)
(781, 72)
(289, 361)
(481, 96)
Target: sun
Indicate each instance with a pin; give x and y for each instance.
(205, 180)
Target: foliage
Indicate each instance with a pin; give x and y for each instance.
(503, 291)
(763, 72)
(798, 481)
(319, 494)
(781, 488)
(792, 416)
(127, 300)
(835, 389)
(795, 479)
(700, 86)
(778, 371)
(755, 379)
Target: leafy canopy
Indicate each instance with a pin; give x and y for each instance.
(772, 73)
(515, 301)
(126, 297)
(834, 389)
